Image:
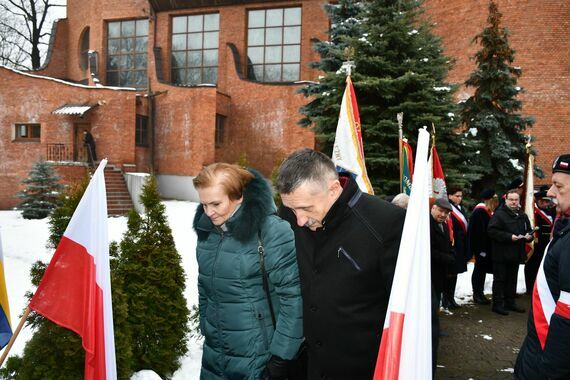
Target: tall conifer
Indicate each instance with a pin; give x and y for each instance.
(151, 269)
(492, 114)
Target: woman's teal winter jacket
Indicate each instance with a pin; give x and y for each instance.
(234, 313)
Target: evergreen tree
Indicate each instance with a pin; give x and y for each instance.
(40, 196)
(54, 352)
(151, 269)
(492, 113)
(321, 113)
(399, 68)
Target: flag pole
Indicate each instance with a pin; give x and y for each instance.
(14, 336)
(400, 117)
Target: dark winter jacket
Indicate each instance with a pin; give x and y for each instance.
(478, 239)
(442, 255)
(552, 362)
(346, 268)
(234, 313)
(503, 224)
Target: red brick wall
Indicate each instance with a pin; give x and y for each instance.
(539, 36)
(57, 64)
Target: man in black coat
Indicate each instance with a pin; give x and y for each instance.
(460, 249)
(89, 143)
(442, 259)
(347, 243)
(480, 243)
(545, 353)
(509, 230)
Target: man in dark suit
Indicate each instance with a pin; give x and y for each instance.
(509, 230)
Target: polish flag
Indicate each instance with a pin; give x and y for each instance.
(75, 291)
(405, 350)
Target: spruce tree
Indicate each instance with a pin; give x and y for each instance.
(322, 111)
(492, 114)
(54, 352)
(42, 191)
(399, 68)
(151, 269)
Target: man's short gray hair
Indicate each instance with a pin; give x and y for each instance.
(304, 165)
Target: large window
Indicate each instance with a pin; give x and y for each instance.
(274, 44)
(127, 53)
(141, 131)
(195, 49)
(27, 132)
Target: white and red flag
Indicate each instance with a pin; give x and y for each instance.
(75, 291)
(405, 350)
(348, 150)
(437, 186)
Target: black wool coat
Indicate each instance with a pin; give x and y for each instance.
(442, 254)
(478, 239)
(503, 224)
(346, 270)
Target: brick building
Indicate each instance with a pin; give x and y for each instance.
(169, 86)
(163, 86)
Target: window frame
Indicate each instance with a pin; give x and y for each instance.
(282, 44)
(141, 131)
(180, 74)
(29, 133)
(220, 131)
(130, 55)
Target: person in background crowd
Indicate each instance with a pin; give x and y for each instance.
(545, 352)
(442, 258)
(509, 230)
(347, 245)
(89, 143)
(401, 200)
(245, 336)
(480, 243)
(460, 225)
(544, 213)
(517, 185)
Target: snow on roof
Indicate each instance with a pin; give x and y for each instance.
(71, 109)
(66, 82)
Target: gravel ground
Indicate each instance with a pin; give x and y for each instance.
(481, 344)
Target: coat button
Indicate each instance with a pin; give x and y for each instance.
(315, 271)
(319, 344)
(314, 308)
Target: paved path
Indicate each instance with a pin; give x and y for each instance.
(481, 344)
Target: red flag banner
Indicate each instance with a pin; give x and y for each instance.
(75, 291)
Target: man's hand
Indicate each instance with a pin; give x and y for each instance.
(276, 369)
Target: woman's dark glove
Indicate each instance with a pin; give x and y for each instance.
(276, 369)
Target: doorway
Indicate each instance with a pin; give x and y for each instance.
(79, 149)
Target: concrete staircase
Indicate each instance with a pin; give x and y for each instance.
(118, 198)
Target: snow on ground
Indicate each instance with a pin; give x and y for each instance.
(24, 242)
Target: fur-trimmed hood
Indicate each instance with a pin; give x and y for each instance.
(257, 204)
